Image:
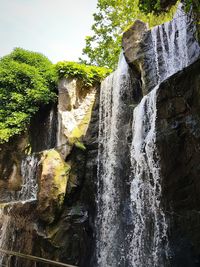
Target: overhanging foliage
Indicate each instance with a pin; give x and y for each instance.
(89, 75)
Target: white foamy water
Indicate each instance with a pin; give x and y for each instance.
(30, 183)
(109, 251)
(174, 45)
(149, 244)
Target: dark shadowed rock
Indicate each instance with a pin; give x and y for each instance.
(178, 138)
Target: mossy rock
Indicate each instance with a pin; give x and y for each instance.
(52, 185)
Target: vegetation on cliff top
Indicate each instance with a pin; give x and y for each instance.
(27, 80)
(89, 75)
(110, 21)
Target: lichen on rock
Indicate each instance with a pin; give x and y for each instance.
(75, 104)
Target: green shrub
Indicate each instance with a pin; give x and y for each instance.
(27, 81)
(89, 75)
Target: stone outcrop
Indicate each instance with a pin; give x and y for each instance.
(131, 42)
(75, 104)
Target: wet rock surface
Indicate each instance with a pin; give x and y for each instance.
(42, 131)
(167, 3)
(178, 140)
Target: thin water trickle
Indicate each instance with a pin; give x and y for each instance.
(28, 193)
(29, 174)
(29, 187)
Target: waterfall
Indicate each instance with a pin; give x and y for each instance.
(5, 226)
(51, 129)
(29, 187)
(112, 143)
(149, 239)
(139, 239)
(171, 47)
(29, 174)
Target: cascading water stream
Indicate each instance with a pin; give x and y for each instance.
(29, 174)
(112, 142)
(148, 241)
(4, 222)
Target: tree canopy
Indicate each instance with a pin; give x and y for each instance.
(112, 18)
(27, 80)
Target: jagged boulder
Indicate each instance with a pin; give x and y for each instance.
(131, 41)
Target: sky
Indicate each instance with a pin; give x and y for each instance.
(56, 28)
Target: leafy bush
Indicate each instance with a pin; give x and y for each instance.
(89, 75)
(27, 81)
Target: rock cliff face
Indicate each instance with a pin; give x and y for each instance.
(55, 219)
